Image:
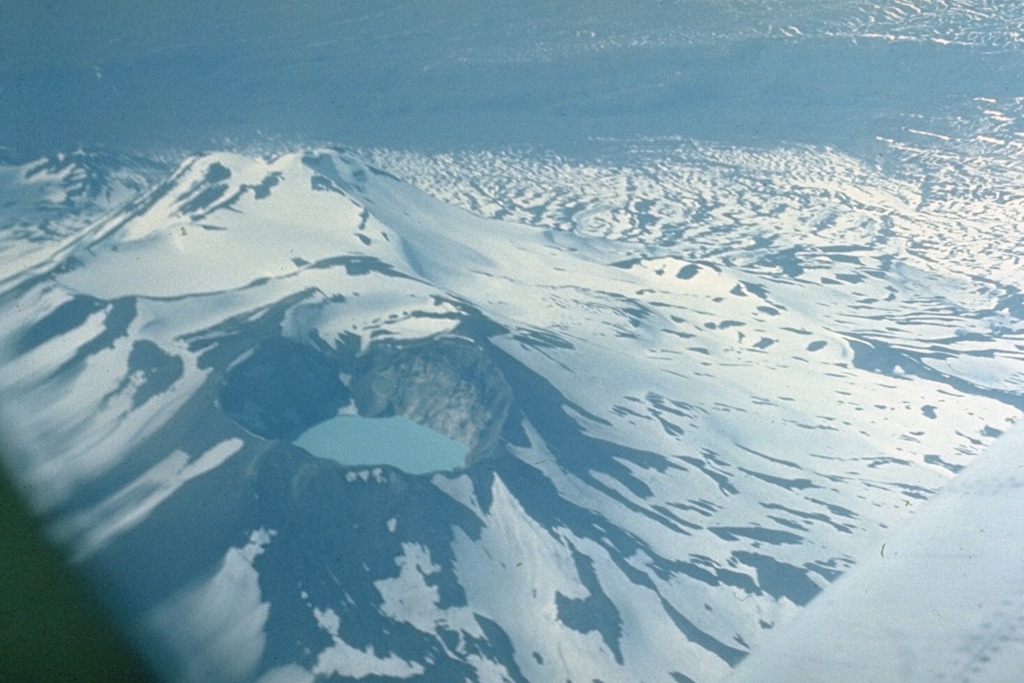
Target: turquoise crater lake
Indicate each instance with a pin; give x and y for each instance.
(353, 440)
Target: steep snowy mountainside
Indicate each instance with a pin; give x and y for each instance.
(696, 390)
(49, 199)
(232, 217)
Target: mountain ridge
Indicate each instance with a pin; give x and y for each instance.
(646, 390)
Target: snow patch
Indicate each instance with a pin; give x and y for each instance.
(216, 629)
(344, 660)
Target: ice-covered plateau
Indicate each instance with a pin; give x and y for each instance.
(693, 393)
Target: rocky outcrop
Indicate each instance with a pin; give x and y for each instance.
(447, 384)
(283, 388)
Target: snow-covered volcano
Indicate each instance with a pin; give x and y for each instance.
(692, 392)
(707, 297)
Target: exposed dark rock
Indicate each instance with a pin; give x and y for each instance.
(447, 384)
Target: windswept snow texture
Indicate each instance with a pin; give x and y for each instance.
(695, 391)
(714, 296)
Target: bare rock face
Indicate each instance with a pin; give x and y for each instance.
(447, 384)
(283, 388)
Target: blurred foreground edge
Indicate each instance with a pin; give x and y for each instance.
(52, 627)
(942, 600)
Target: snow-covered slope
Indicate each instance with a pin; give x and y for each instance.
(48, 200)
(697, 386)
(715, 294)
